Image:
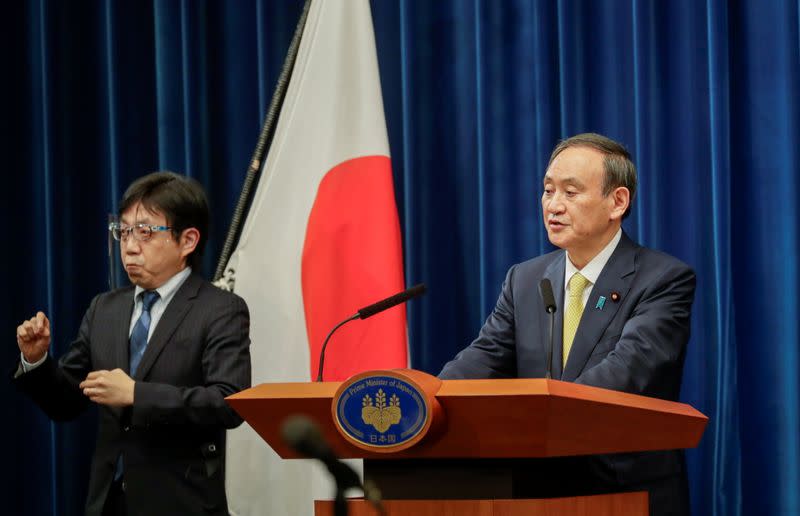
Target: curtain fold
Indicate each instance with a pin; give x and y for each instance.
(703, 93)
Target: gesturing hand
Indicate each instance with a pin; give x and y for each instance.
(33, 337)
(112, 388)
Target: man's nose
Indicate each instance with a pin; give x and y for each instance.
(555, 204)
(130, 245)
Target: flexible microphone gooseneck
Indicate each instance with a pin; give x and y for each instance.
(549, 301)
(369, 311)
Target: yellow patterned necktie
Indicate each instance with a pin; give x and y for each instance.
(572, 315)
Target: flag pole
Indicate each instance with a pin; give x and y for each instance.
(264, 139)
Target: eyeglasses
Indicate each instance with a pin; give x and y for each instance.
(141, 232)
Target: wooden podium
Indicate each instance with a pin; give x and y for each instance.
(465, 463)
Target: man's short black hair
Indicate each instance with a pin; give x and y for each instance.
(179, 198)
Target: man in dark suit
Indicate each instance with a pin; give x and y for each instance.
(622, 320)
(158, 357)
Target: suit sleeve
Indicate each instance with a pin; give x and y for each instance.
(225, 370)
(650, 352)
(492, 354)
(54, 386)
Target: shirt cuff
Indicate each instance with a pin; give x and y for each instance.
(27, 366)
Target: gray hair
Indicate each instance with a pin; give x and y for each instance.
(619, 169)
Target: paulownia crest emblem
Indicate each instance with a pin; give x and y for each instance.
(378, 414)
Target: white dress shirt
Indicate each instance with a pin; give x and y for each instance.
(592, 269)
(165, 294)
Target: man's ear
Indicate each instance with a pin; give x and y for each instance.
(190, 237)
(620, 200)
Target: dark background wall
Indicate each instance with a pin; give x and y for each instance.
(704, 94)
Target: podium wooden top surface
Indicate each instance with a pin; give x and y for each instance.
(494, 419)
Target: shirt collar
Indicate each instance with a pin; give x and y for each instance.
(593, 269)
(169, 287)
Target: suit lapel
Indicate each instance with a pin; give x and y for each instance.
(171, 318)
(555, 273)
(616, 276)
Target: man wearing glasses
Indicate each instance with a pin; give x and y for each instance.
(158, 357)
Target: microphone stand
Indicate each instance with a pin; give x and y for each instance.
(549, 375)
(369, 311)
(549, 302)
(340, 502)
(325, 344)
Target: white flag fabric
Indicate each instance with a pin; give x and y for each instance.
(321, 240)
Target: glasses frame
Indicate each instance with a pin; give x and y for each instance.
(126, 231)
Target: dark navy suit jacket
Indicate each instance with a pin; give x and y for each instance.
(172, 439)
(636, 344)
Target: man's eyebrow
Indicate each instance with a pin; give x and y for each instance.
(573, 181)
(137, 221)
(567, 180)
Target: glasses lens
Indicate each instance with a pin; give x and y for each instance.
(115, 232)
(142, 232)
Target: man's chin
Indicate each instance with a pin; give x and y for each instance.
(557, 239)
(137, 279)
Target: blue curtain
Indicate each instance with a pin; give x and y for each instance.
(476, 95)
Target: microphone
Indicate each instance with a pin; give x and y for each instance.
(304, 437)
(549, 301)
(546, 291)
(369, 311)
(402, 297)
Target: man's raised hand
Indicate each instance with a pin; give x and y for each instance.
(33, 337)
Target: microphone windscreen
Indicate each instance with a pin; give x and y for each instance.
(303, 436)
(402, 297)
(546, 291)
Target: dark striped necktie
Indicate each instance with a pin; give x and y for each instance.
(141, 329)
